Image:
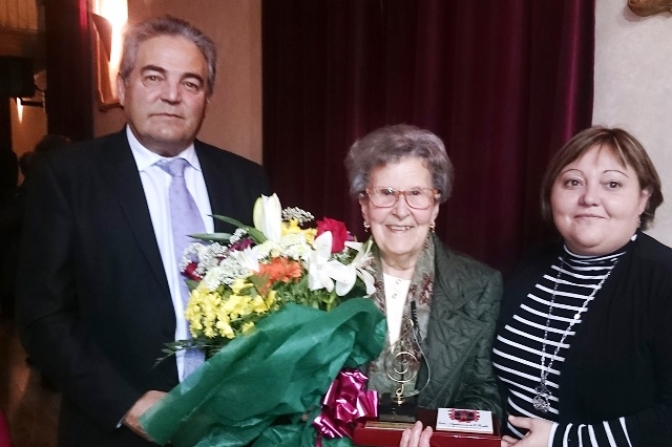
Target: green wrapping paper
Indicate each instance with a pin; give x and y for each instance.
(283, 368)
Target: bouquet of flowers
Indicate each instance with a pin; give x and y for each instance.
(279, 308)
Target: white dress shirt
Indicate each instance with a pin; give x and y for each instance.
(156, 182)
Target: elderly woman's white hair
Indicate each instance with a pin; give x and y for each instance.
(394, 143)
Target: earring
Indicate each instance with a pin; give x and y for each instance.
(366, 226)
(432, 227)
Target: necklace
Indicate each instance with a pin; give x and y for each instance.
(541, 401)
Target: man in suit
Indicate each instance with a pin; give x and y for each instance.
(99, 284)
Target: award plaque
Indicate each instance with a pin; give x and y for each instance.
(452, 428)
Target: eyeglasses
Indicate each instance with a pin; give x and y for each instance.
(419, 198)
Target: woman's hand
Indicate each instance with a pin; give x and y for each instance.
(416, 437)
(538, 431)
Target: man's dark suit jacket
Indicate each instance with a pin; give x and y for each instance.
(93, 300)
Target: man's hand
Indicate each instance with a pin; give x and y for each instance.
(416, 437)
(132, 418)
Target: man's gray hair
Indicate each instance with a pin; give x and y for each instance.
(136, 35)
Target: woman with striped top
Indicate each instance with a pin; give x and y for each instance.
(583, 349)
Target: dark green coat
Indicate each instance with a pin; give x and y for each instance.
(460, 331)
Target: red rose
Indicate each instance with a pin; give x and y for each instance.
(339, 233)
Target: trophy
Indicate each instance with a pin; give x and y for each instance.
(402, 364)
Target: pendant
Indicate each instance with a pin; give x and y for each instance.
(541, 400)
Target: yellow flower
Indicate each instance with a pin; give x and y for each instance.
(291, 227)
(193, 313)
(195, 329)
(247, 327)
(225, 330)
(310, 234)
(232, 305)
(201, 288)
(238, 285)
(223, 315)
(245, 306)
(258, 305)
(209, 332)
(271, 298)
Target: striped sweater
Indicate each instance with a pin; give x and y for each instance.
(540, 332)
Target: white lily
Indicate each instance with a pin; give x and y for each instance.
(358, 268)
(322, 271)
(326, 273)
(267, 216)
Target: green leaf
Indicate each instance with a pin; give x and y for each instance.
(192, 284)
(255, 234)
(259, 281)
(212, 237)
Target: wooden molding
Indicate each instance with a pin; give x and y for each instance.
(645, 8)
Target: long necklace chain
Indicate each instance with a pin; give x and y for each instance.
(541, 401)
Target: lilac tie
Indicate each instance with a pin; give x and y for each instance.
(185, 219)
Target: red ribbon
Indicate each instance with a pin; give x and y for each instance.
(345, 403)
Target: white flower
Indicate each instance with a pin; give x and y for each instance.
(267, 249)
(237, 235)
(193, 253)
(206, 256)
(295, 246)
(228, 270)
(267, 217)
(324, 271)
(358, 268)
(247, 259)
(215, 277)
(297, 214)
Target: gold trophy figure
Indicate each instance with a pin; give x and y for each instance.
(402, 364)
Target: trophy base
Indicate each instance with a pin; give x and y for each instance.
(391, 411)
(388, 434)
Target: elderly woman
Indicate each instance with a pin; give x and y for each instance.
(584, 340)
(441, 306)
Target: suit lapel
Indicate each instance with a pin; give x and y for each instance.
(122, 174)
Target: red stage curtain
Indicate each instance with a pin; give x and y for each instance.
(503, 82)
(5, 438)
(69, 96)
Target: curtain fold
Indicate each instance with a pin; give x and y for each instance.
(69, 95)
(503, 82)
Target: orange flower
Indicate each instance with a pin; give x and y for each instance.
(280, 269)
